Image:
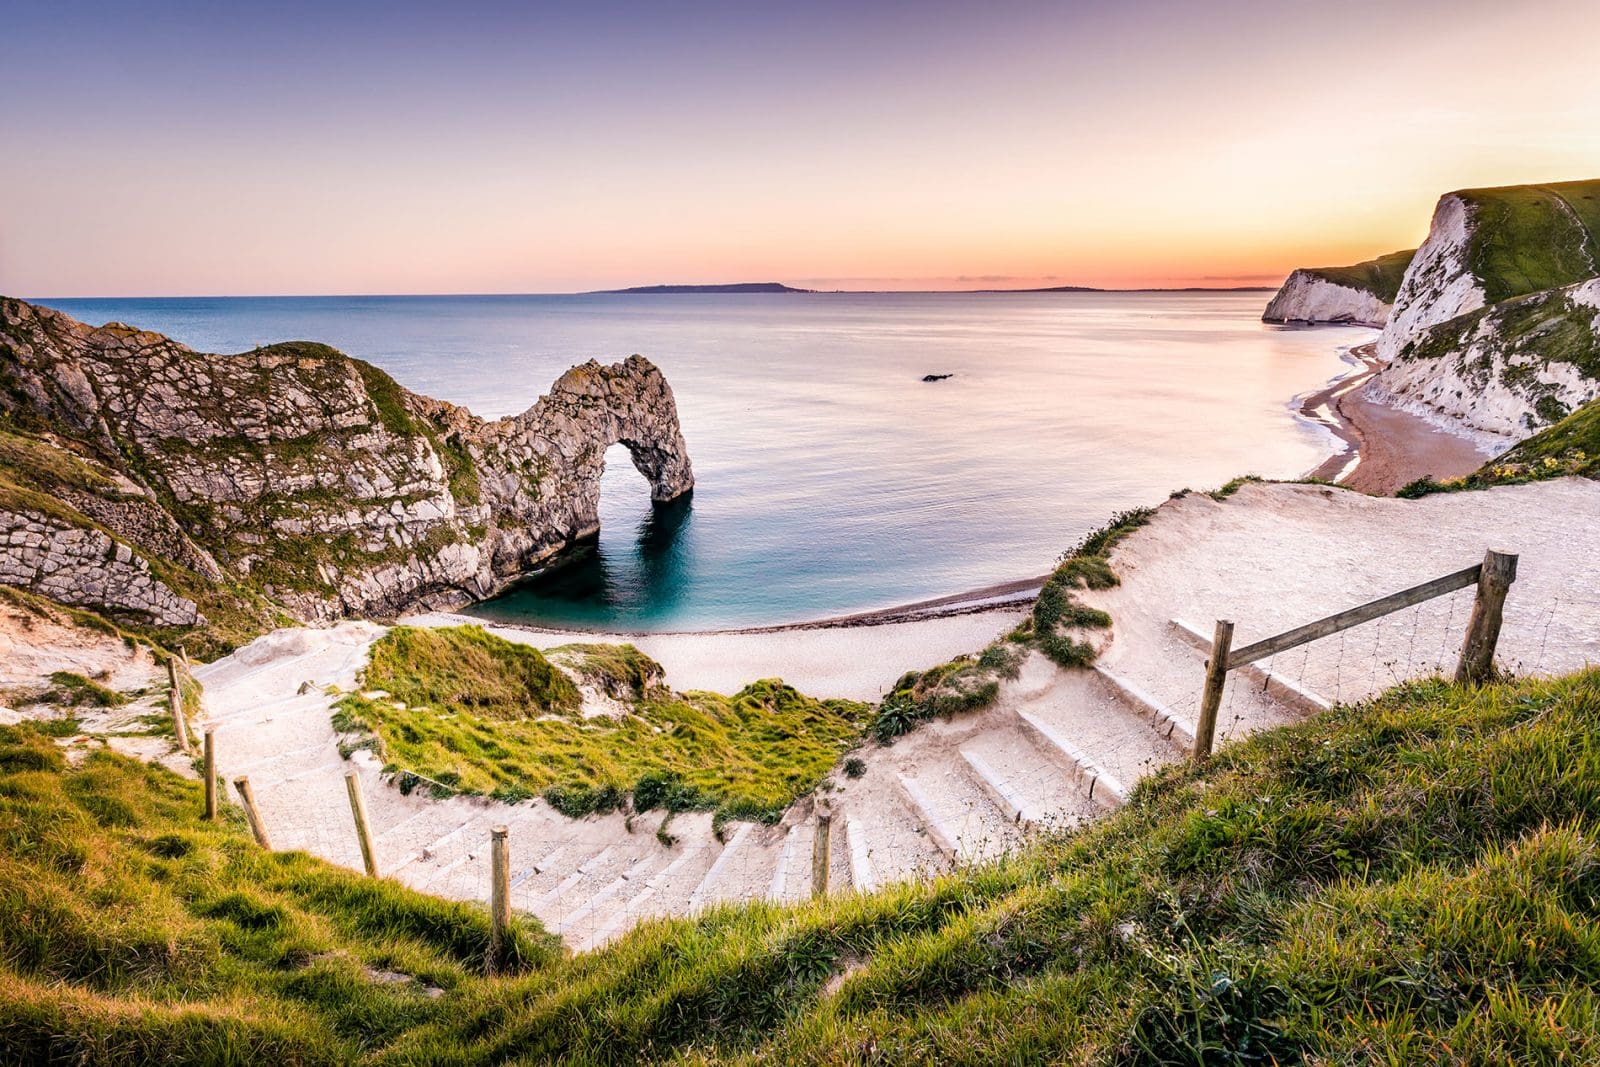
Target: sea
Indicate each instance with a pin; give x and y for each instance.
(831, 478)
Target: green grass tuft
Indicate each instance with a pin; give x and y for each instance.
(489, 716)
(75, 690)
(1057, 612)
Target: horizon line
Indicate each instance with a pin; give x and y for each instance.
(795, 291)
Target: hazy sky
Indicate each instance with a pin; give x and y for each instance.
(161, 148)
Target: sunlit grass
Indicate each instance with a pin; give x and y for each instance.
(1414, 879)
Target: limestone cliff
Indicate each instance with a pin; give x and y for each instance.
(1507, 369)
(300, 474)
(1494, 325)
(1358, 295)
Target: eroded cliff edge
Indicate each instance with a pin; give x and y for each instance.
(291, 479)
(1359, 295)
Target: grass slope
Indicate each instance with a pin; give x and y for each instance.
(1533, 237)
(486, 715)
(132, 931)
(1574, 441)
(1411, 880)
(1380, 276)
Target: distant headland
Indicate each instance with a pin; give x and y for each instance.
(675, 290)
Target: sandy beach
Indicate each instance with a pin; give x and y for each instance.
(1386, 446)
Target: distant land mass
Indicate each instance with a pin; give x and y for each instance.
(736, 287)
(779, 287)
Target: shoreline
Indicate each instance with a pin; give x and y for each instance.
(1386, 447)
(1000, 596)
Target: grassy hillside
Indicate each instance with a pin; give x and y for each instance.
(1380, 276)
(132, 931)
(1573, 442)
(1412, 880)
(1533, 237)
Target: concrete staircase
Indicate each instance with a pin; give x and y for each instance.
(1059, 748)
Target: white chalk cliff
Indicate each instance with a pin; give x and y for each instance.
(1494, 330)
(1308, 297)
(1495, 372)
(1440, 283)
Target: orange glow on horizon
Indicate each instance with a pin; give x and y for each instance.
(1150, 144)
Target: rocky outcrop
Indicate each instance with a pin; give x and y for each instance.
(1440, 283)
(1310, 299)
(1358, 295)
(85, 567)
(1494, 328)
(313, 477)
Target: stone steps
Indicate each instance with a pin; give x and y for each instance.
(1094, 779)
(958, 815)
(1031, 789)
(886, 845)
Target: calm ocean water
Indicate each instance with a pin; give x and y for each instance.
(831, 479)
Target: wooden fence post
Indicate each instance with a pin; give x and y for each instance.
(822, 850)
(499, 897)
(1476, 665)
(1211, 698)
(180, 725)
(358, 809)
(211, 773)
(257, 827)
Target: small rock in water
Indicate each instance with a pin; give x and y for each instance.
(936, 377)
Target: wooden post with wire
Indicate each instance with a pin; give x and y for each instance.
(180, 725)
(1476, 665)
(358, 809)
(252, 813)
(211, 773)
(822, 850)
(499, 897)
(1205, 730)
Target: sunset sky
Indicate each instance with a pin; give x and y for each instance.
(303, 148)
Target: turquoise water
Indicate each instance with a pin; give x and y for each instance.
(831, 479)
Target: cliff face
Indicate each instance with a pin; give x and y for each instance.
(1508, 369)
(1440, 283)
(1494, 325)
(1358, 295)
(304, 475)
(1309, 298)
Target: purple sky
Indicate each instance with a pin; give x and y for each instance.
(158, 148)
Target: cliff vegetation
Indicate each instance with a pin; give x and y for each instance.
(1380, 276)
